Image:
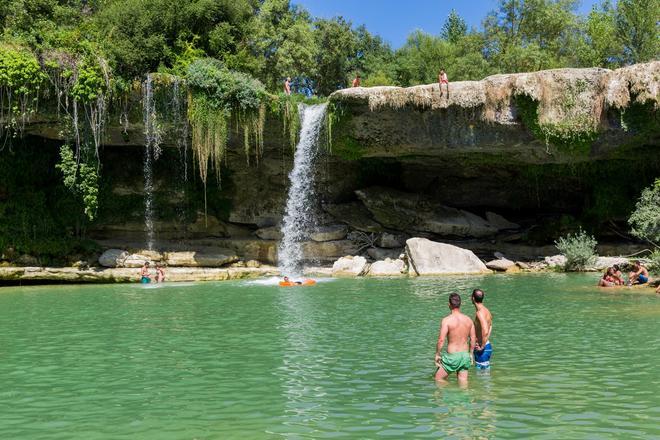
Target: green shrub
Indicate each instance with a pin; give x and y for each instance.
(645, 219)
(579, 250)
(654, 261)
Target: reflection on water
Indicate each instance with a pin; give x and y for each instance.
(348, 358)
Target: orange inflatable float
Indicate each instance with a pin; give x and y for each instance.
(307, 282)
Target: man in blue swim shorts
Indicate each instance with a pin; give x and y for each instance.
(483, 323)
(639, 274)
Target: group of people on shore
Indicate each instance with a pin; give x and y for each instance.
(468, 340)
(146, 277)
(614, 277)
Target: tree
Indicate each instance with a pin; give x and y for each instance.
(645, 219)
(637, 25)
(454, 28)
(600, 44)
(336, 45)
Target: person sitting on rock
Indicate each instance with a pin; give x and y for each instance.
(639, 274)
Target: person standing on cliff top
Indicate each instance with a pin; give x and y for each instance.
(442, 79)
(357, 80)
(460, 334)
(287, 86)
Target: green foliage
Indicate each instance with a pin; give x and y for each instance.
(579, 250)
(89, 84)
(645, 219)
(21, 78)
(454, 28)
(637, 26)
(81, 179)
(601, 44)
(654, 261)
(574, 136)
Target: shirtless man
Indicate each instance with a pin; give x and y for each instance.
(639, 275)
(287, 86)
(456, 328)
(483, 323)
(357, 81)
(145, 276)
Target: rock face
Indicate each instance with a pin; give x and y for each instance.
(390, 241)
(216, 258)
(405, 211)
(500, 222)
(430, 258)
(269, 233)
(382, 254)
(329, 233)
(387, 268)
(350, 267)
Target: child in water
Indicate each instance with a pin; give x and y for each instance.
(160, 274)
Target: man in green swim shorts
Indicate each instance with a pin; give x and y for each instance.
(459, 331)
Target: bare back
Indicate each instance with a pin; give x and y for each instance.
(483, 323)
(459, 328)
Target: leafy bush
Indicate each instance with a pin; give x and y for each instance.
(579, 250)
(645, 219)
(654, 261)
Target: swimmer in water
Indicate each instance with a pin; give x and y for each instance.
(459, 332)
(483, 324)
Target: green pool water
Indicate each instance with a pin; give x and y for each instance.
(345, 358)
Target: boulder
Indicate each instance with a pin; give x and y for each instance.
(523, 265)
(555, 261)
(500, 222)
(215, 258)
(382, 254)
(406, 211)
(113, 258)
(500, 265)
(329, 233)
(269, 233)
(350, 266)
(387, 240)
(387, 268)
(426, 257)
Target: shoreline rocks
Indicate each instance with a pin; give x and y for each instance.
(426, 257)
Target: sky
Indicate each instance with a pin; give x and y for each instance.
(393, 20)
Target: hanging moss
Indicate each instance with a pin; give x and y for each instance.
(209, 134)
(575, 136)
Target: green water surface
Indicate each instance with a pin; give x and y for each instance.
(345, 359)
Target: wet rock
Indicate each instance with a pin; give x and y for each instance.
(329, 233)
(350, 266)
(387, 268)
(431, 258)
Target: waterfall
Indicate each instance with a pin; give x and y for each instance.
(300, 205)
(152, 151)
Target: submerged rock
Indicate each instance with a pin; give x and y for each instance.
(426, 257)
(387, 268)
(350, 266)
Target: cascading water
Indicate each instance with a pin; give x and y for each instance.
(299, 217)
(151, 152)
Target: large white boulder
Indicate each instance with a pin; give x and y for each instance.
(350, 267)
(113, 258)
(427, 257)
(387, 268)
(216, 258)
